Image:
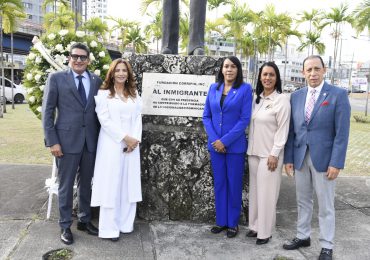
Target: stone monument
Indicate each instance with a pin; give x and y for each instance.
(177, 181)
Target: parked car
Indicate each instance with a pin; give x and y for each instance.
(289, 88)
(358, 90)
(18, 91)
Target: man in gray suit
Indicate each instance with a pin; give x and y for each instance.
(316, 149)
(71, 131)
(170, 27)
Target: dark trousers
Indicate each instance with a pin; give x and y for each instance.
(228, 170)
(70, 165)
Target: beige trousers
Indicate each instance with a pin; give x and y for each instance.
(264, 187)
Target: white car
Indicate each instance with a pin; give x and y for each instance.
(289, 88)
(18, 92)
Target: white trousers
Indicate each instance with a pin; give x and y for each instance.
(307, 180)
(121, 218)
(264, 188)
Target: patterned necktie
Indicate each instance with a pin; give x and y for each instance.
(81, 89)
(310, 105)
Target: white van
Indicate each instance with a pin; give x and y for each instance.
(18, 92)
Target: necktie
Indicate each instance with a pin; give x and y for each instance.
(81, 89)
(310, 105)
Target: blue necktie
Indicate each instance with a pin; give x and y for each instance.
(81, 89)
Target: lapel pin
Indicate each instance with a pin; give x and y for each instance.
(234, 91)
(324, 94)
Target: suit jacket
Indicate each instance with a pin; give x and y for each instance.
(229, 122)
(326, 135)
(65, 119)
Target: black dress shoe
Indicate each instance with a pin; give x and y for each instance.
(88, 227)
(263, 241)
(297, 243)
(232, 232)
(326, 254)
(66, 236)
(114, 239)
(251, 233)
(218, 229)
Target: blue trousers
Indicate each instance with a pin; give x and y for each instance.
(228, 170)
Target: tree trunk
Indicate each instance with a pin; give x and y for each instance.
(2, 69)
(12, 67)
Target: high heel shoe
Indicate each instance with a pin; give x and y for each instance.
(232, 232)
(263, 241)
(218, 229)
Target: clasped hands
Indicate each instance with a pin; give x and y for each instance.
(219, 146)
(131, 143)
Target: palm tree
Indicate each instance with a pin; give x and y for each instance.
(215, 4)
(313, 18)
(213, 26)
(97, 26)
(64, 20)
(238, 18)
(135, 38)
(146, 3)
(361, 17)
(184, 32)
(313, 43)
(55, 4)
(123, 26)
(10, 11)
(154, 29)
(337, 17)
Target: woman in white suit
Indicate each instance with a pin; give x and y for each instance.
(268, 133)
(116, 184)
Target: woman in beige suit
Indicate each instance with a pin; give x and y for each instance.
(268, 133)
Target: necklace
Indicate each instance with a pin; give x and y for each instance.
(120, 95)
(225, 92)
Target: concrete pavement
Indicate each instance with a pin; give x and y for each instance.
(25, 234)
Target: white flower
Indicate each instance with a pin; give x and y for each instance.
(63, 32)
(37, 77)
(42, 87)
(29, 91)
(80, 33)
(92, 57)
(97, 72)
(102, 54)
(59, 47)
(105, 67)
(60, 59)
(39, 109)
(38, 60)
(32, 99)
(29, 76)
(93, 44)
(51, 36)
(31, 56)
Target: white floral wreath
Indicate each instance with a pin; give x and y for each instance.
(49, 54)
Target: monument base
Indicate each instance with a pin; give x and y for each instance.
(177, 182)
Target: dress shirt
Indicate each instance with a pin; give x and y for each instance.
(269, 126)
(85, 82)
(317, 94)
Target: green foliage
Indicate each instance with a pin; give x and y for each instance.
(361, 119)
(58, 43)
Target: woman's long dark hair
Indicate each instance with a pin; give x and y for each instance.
(239, 75)
(259, 87)
(129, 87)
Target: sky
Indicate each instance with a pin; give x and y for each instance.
(359, 48)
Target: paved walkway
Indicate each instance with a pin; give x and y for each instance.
(25, 234)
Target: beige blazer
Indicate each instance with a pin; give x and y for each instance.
(269, 127)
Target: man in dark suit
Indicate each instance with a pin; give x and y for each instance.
(316, 150)
(71, 131)
(170, 27)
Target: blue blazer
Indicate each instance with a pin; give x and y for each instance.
(229, 122)
(326, 135)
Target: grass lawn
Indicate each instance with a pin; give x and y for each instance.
(21, 137)
(21, 141)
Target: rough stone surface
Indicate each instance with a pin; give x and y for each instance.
(177, 180)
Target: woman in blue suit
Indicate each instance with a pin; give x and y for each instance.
(226, 116)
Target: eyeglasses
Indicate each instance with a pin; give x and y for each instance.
(75, 57)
